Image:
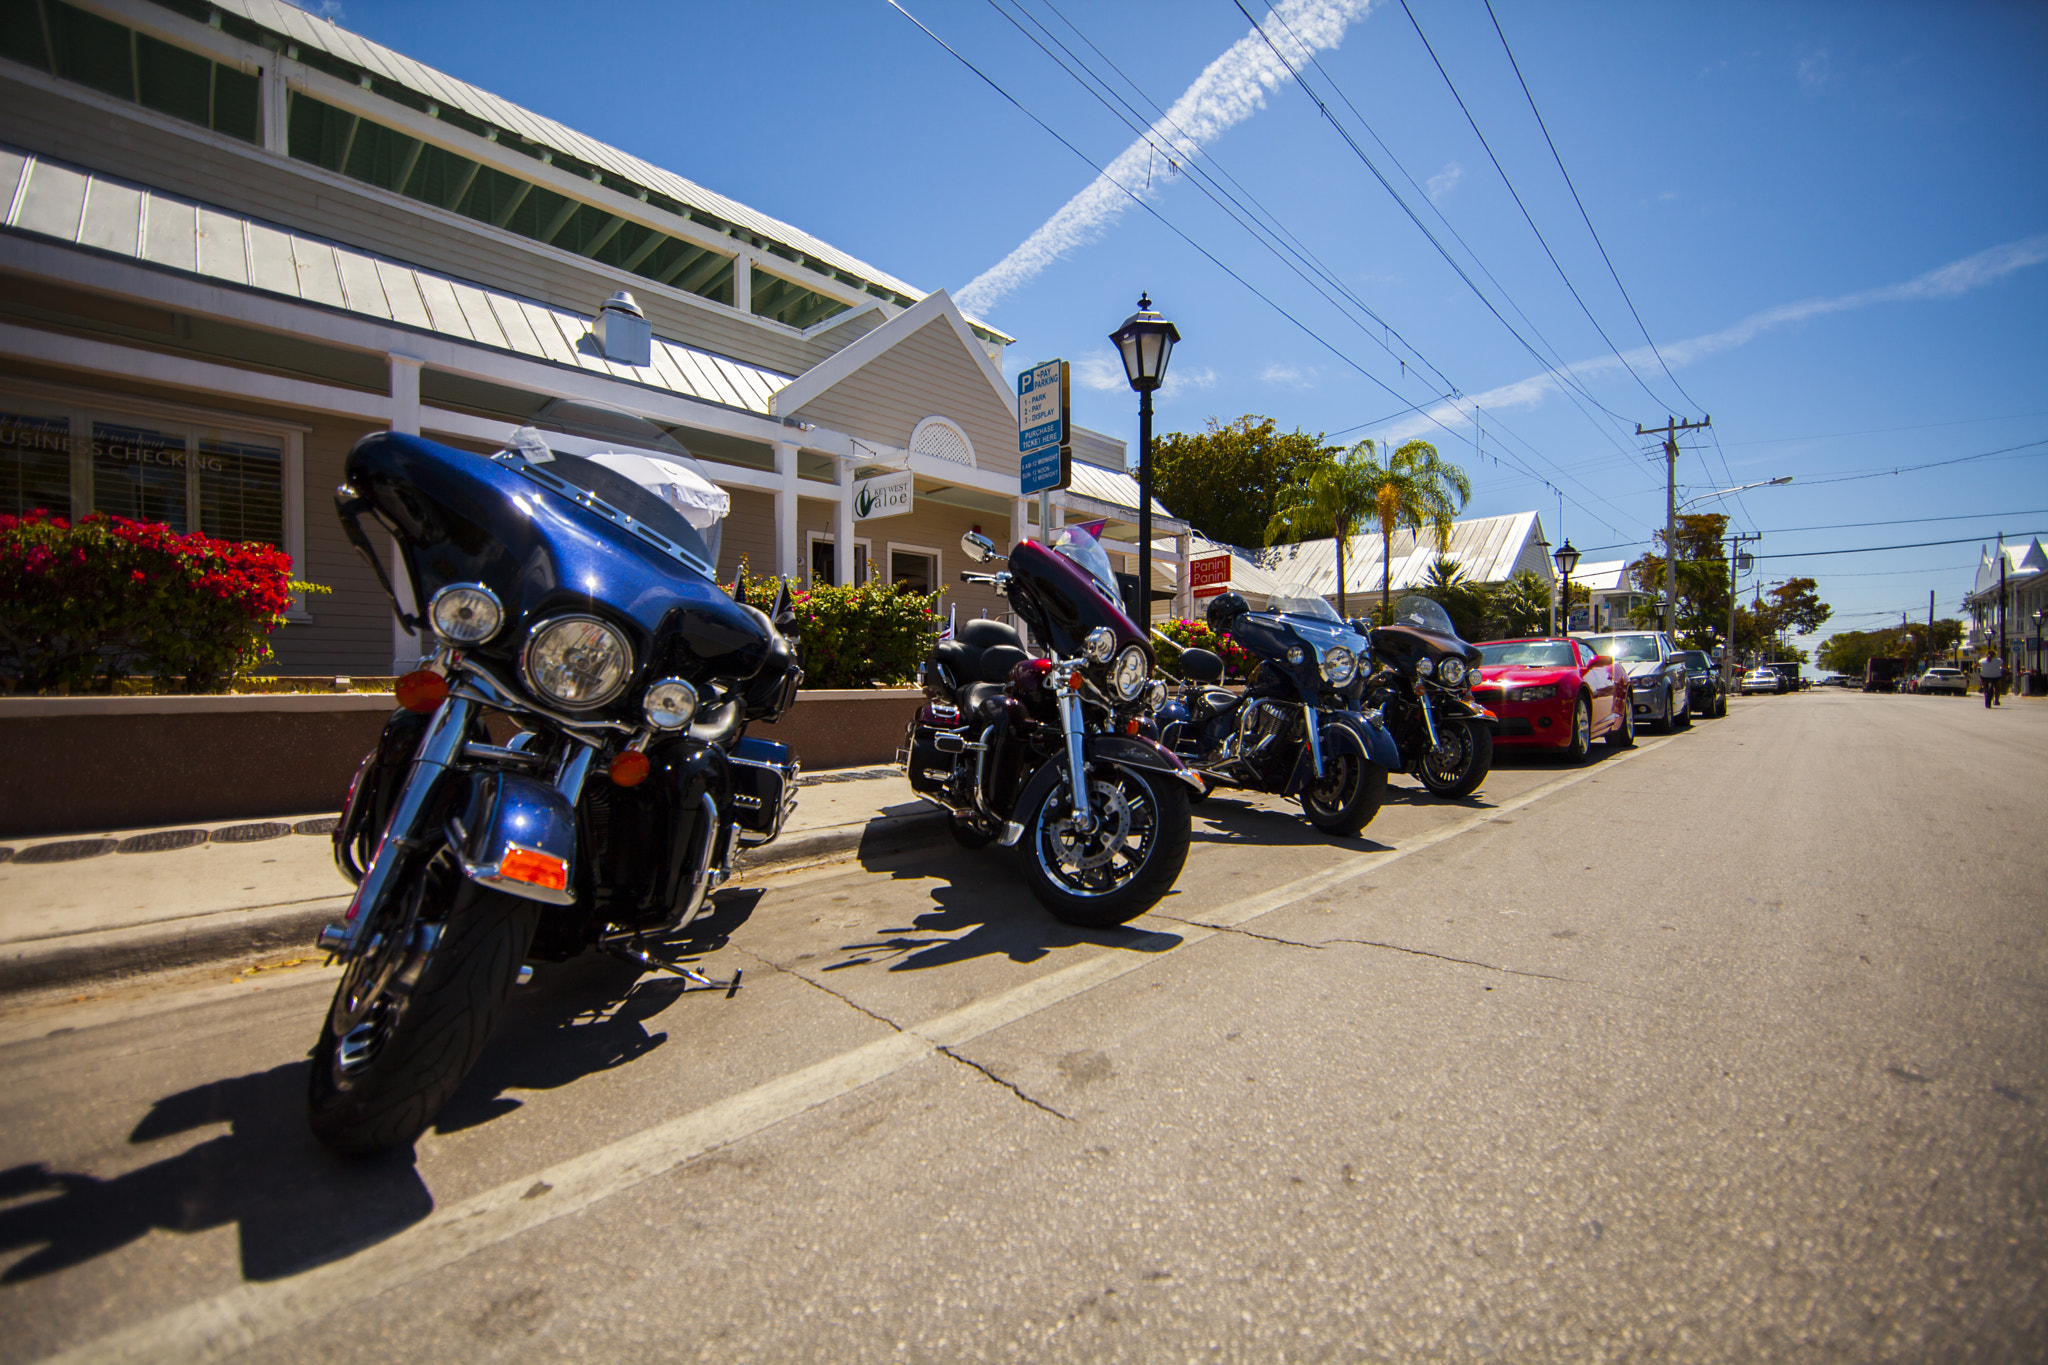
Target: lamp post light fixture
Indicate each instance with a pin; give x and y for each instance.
(1567, 560)
(1145, 342)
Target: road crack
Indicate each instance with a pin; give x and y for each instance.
(1006, 1084)
(1446, 957)
(847, 1001)
(1233, 929)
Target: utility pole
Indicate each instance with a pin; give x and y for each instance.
(1672, 426)
(1735, 556)
(1931, 658)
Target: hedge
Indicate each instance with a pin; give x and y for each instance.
(865, 635)
(82, 603)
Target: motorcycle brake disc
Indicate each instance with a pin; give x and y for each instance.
(1112, 824)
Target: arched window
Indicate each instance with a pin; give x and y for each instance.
(941, 439)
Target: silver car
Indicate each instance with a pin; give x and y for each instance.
(1659, 687)
(1760, 680)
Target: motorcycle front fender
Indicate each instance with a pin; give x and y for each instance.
(1347, 733)
(517, 835)
(1133, 751)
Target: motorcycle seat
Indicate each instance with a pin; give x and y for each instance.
(972, 695)
(971, 663)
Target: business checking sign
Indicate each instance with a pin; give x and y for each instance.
(1044, 425)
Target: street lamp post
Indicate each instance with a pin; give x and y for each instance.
(1567, 560)
(1145, 342)
(2034, 682)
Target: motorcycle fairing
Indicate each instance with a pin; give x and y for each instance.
(1063, 603)
(464, 518)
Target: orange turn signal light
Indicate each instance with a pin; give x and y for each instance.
(422, 690)
(533, 867)
(629, 769)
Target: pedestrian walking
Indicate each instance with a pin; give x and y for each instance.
(1992, 671)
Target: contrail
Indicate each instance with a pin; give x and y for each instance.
(1230, 90)
(1943, 282)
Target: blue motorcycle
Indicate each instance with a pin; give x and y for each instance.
(1298, 728)
(572, 598)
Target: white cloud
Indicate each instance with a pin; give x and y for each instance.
(329, 10)
(1445, 180)
(1184, 380)
(1943, 282)
(1102, 373)
(1230, 90)
(1816, 73)
(1290, 376)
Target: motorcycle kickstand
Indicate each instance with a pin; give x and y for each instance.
(699, 982)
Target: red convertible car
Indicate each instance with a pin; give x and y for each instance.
(1554, 693)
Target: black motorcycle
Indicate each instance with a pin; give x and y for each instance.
(1002, 736)
(1423, 691)
(1297, 730)
(578, 604)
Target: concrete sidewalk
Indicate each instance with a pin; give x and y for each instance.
(123, 902)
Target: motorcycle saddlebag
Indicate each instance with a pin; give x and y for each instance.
(928, 768)
(763, 788)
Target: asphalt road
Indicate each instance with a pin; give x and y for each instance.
(1734, 1047)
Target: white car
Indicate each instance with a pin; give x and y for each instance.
(1944, 680)
(1760, 680)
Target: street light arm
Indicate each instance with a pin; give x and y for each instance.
(1743, 488)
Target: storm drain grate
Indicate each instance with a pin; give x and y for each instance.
(162, 841)
(250, 834)
(323, 825)
(70, 851)
(850, 775)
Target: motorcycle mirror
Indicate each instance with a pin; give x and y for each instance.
(979, 548)
(783, 614)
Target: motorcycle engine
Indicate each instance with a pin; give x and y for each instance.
(1262, 726)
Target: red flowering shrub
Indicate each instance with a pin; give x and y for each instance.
(107, 596)
(864, 635)
(1197, 635)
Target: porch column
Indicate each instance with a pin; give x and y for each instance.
(405, 419)
(743, 282)
(786, 548)
(842, 524)
(1183, 597)
(1020, 521)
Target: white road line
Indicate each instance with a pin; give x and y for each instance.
(223, 1326)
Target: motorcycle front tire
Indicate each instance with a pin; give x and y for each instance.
(1345, 801)
(1467, 779)
(1042, 804)
(420, 1045)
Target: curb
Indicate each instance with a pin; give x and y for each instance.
(109, 954)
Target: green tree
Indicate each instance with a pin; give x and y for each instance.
(1522, 605)
(1414, 487)
(1703, 587)
(1471, 606)
(1333, 500)
(1226, 481)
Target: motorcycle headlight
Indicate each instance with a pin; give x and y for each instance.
(1158, 697)
(1295, 655)
(1099, 644)
(670, 704)
(1451, 672)
(465, 613)
(576, 661)
(1425, 667)
(1131, 673)
(1340, 666)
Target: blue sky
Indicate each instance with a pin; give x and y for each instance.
(1832, 219)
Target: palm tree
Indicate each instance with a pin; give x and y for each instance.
(1416, 488)
(1334, 499)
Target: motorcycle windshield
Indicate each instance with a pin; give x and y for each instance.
(633, 465)
(1302, 600)
(1086, 551)
(1422, 613)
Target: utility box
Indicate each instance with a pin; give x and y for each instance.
(622, 331)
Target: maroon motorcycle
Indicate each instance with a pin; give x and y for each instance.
(1002, 736)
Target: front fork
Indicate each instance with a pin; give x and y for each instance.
(437, 748)
(1428, 717)
(1074, 727)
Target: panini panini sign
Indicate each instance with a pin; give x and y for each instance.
(1209, 577)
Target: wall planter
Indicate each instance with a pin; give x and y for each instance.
(87, 764)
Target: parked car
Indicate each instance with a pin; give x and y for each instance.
(1788, 676)
(1704, 679)
(1554, 693)
(1952, 680)
(1760, 680)
(1658, 682)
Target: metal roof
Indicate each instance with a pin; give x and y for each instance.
(84, 208)
(296, 25)
(1488, 548)
(1118, 490)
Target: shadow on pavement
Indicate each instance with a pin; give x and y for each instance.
(296, 1206)
(584, 1016)
(983, 909)
(1221, 820)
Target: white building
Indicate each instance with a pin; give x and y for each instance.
(2025, 605)
(1490, 550)
(238, 237)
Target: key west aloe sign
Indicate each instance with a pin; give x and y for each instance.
(883, 495)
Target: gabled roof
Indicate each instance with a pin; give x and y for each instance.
(2022, 560)
(296, 26)
(86, 209)
(1490, 549)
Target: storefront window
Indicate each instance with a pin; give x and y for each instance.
(139, 473)
(241, 490)
(35, 464)
(912, 569)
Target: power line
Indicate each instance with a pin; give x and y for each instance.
(1932, 464)
(1582, 208)
(1873, 549)
(1883, 431)
(1906, 521)
(1527, 217)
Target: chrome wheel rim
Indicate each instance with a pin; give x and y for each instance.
(1582, 727)
(1108, 858)
(1338, 784)
(1450, 757)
